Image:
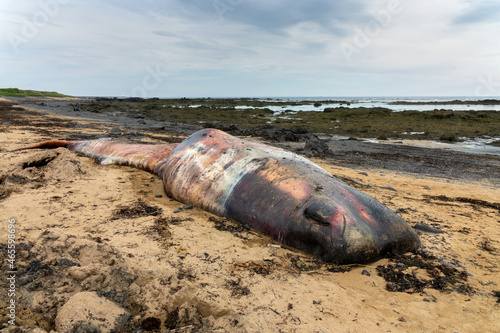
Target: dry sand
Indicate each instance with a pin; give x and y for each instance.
(85, 227)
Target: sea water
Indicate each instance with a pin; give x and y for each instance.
(384, 102)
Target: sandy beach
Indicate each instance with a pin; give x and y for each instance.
(110, 232)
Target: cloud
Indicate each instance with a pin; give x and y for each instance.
(250, 47)
(479, 12)
(269, 16)
(165, 33)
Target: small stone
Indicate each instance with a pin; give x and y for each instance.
(178, 210)
(186, 207)
(158, 196)
(365, 272)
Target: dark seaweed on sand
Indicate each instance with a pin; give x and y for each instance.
(402, 276)
(237, 289)
(481, 203)
(263, 268)
(162, 225)
(496, 293)
(136, 209)
(234, 228)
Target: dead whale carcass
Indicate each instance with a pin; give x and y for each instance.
(277, 192)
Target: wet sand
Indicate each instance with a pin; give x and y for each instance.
(111, 230)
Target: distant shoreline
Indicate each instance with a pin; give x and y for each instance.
(340, 120)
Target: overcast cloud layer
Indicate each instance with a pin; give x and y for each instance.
(228, 48)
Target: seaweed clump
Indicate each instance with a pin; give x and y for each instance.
(403, 277)
(137, 209)
(496, 293)
(238, 230)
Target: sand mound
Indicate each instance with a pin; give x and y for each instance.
(69, 282)
(88, 312)
(42, 167)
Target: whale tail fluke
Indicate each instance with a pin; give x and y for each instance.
(106, 151)
(46, 145)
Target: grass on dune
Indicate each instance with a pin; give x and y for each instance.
(15, 92)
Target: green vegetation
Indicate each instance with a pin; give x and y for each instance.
(359, 122)
(191, 111)
(381, 122)
(15, 92)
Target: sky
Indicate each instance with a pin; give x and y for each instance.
(251, 48)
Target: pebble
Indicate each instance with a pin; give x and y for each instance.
(185, 207)
(365, 272)
(158, 196)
